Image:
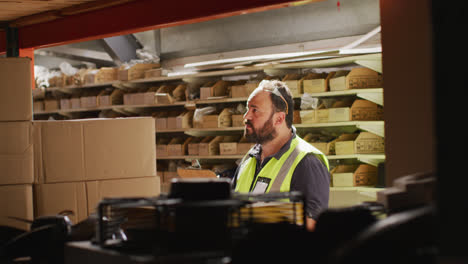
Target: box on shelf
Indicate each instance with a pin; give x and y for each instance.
(106, 74)
(16, 153)
(220, 88)
(355, 79)
(225, 118)
(153, 73)
(172, 120)
(362, 143)
(160, 120)
(75, 102)
(169, 175)
(64, 103)
(184, 120)
(205, 93)
(89, 99)
(316, 82)
(294, 83)
(193, 146)
(90, 76)
(164, 94)
(38, 105)
(244, 146)
(354, 175)
(51, 104)
(16, 201)
(178, 146)
(210, 121)
(237, 120)
(136, 71)
(308, 116)
(228, 146)
(180, 92)
(109, 97)
(320, 142)
(209, 146)
(94, 149)
(361, 110)
(161, 146)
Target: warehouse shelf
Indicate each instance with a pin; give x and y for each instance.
(376, 127)
(371, 159)
(70, 88)
(372, 94)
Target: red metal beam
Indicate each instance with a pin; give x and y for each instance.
(133, 17)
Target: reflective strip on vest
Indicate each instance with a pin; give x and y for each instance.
(284, 170)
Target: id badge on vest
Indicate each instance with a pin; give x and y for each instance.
(261, 186)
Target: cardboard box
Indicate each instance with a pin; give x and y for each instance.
(210, 121)
(355, 79)
(220, 88)
(135, 187)
(163, 94)
(316, 83)
(153, 73)
(161, 123)
(178, 146)
(88, 101)
(75, 102)
(239, 91)
(237, 120)
(308, 116)
(362, 143)
(106, 74)
(95, 149)
(362, 110)
(109, 97)
(210, 146)
(38, 106)
(244, 146)
(51, 104)
(169, 175)
(184, 120)
(294, 83)
(136, 71)
(161, 146)
(16, 201)
(346, 197)
(225, 118)
(354, 175)
(205, 93)
(15, 89)
(193, 146)
(82, 198)
(54, 198)
(16, 153)
(64, 104)
(228, 148)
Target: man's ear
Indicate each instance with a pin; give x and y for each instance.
(280, 118)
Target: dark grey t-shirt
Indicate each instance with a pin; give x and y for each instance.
(311, 178)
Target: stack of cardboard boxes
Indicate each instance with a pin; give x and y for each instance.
(50, 167)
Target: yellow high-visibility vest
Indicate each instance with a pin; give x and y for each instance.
(276, 173)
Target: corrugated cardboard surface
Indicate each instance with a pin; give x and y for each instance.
(52, 199)
(15, 89)
(16, 153)
(138, 187)
(16, 201)
(95, 149)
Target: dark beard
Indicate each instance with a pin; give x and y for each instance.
(264, 134)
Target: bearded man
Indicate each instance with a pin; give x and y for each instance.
(281, 161)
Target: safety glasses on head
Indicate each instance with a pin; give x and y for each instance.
(272, 87)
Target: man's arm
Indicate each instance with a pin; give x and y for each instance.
(312, 179)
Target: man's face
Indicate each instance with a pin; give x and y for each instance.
(258, 119)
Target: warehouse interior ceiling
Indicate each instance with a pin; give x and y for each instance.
(283, 30)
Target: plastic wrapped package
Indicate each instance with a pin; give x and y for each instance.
(309, 102)
(200, 112)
